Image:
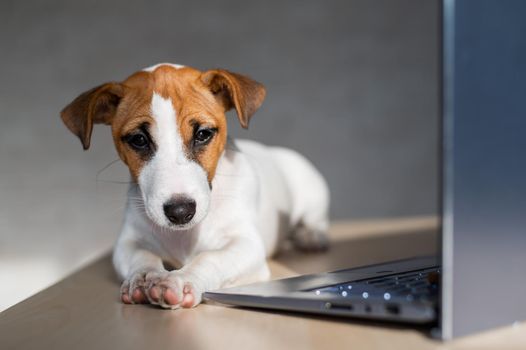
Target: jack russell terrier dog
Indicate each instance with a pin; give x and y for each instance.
(203, 211)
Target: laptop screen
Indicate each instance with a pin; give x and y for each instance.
(484, 239)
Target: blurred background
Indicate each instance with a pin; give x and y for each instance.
(352, 84)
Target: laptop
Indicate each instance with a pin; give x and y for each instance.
(479, 280)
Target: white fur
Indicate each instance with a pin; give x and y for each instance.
(170, 173)
(155, 66)
(261, 195)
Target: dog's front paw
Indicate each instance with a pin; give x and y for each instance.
(171, 290)
(133, 289)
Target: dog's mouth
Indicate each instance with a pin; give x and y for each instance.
(184, 227)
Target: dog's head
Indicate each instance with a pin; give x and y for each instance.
(169, 127)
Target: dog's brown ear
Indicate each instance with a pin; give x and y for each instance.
(235, 91)
(94, 106)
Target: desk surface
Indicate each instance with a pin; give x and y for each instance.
(84, 312)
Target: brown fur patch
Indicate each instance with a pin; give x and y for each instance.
(133, 111)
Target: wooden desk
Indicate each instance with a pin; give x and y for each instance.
(84, 312)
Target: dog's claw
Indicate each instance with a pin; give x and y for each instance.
(170, 297)
(138, 296)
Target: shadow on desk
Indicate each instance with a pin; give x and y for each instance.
(363, 243)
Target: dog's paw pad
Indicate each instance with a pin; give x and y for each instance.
(170, 297)
(170, 291)
(133, 289)
(155, 294)
(126, 299)
(138, 296)
(188, 300)
(125, 292)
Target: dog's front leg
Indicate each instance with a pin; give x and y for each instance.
(133, 261)
(242, 259)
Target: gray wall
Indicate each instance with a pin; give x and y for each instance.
(351, 84)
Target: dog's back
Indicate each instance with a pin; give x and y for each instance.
(293, 196)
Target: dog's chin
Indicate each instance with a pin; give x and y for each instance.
(184, 227)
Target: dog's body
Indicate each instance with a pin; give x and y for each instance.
(211, 208)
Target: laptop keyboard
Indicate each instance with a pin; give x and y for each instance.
(413, 285)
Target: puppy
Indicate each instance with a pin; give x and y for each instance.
(204, 211)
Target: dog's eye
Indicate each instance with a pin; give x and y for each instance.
(202, 136)
(138, 141)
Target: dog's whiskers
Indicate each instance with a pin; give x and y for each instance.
(105, 168)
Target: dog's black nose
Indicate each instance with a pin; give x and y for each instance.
(180, 210)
